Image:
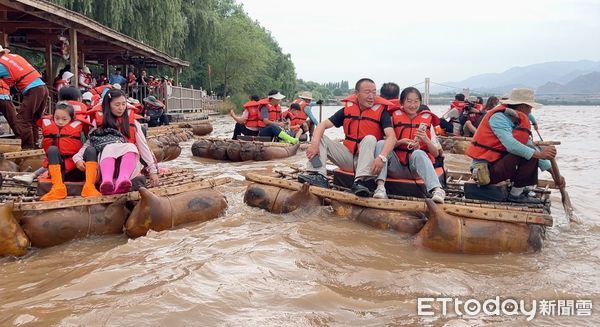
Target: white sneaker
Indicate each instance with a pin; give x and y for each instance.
(438, 195)
(380, 193)
(24, 179)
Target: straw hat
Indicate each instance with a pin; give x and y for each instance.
(86, 70)
(116, 86)
(522, 96)
(4, 49)
(305, 95)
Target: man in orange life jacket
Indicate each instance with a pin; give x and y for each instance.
(16, 71)
(502, 148)
(271, 114)
(7, 109)
(365, 121)
(250, 122)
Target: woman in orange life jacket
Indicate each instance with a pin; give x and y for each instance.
(250, 122)
(414, 153)
(63, 134)
(119, 140)
(294, 118)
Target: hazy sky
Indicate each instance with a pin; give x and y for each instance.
(406, 41)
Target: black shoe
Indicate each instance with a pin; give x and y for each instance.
(314, 178)
(359, 189)
(523, 199)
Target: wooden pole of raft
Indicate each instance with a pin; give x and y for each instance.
(566, 200)
(131, 196)
(22, 154)
(503, 215)
(278, 144)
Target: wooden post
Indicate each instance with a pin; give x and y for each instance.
(49, 65)
(176, 80)
(73, 56)
(3, 33)
(106, 68)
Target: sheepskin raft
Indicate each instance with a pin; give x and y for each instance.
(458, 226)
(163, 142)
(239, 150)
(180, 198)
(198, 127)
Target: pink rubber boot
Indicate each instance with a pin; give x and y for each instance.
(128, 163)
(107, 170)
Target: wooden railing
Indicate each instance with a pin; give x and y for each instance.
(182, 100)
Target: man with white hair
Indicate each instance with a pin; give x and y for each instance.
(502, 148)
(18, 72)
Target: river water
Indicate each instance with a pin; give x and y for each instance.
(254, 268)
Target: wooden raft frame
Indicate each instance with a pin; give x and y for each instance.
(278, 144)
(22, 154)
(500, 213)
(131, 196)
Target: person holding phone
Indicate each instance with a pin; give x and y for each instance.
(414, 153)
(365, 120)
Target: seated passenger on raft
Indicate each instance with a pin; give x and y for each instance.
(306, 103)
(365, 121)
(294, 119)
(263, 118)
(414, 152)
(63, 137)
(120, 143)
(502, 148)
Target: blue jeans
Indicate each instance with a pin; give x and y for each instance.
(419, 165)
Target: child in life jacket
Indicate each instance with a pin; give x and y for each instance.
(63, 135)
(120, 143)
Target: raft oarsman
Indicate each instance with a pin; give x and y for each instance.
(502, 148)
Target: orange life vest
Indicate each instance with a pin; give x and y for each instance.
(99, 89)
(98, 119)
(66, 138)
(301, 115)
(274, 111)
(358, 124)
(396, 105)
(254, 118)
(20, 72)
(487, 146)
(406, 128)
(81, 109)
(296, 121)
(4, 88)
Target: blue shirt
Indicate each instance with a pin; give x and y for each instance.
(37, 82)
(308, 111)
(502, 125)
(117, 79)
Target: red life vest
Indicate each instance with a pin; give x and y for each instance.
(254, 118)
(132, 117)
(66, 138)
(20, 72)
(4, 88)
(487, 146)
(301, 115)
(458, 105)
(99, 89)
(406, 128)
(81, 110)
(358, 124)
(296, 121)
(396, 105)
(274, 111)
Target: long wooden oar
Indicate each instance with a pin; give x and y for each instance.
(566, 200)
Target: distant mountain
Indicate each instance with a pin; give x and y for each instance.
(549, 75)
(584, 84)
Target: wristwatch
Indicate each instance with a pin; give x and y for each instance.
(383, 158)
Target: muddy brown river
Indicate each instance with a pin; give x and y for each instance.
(311, 268)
